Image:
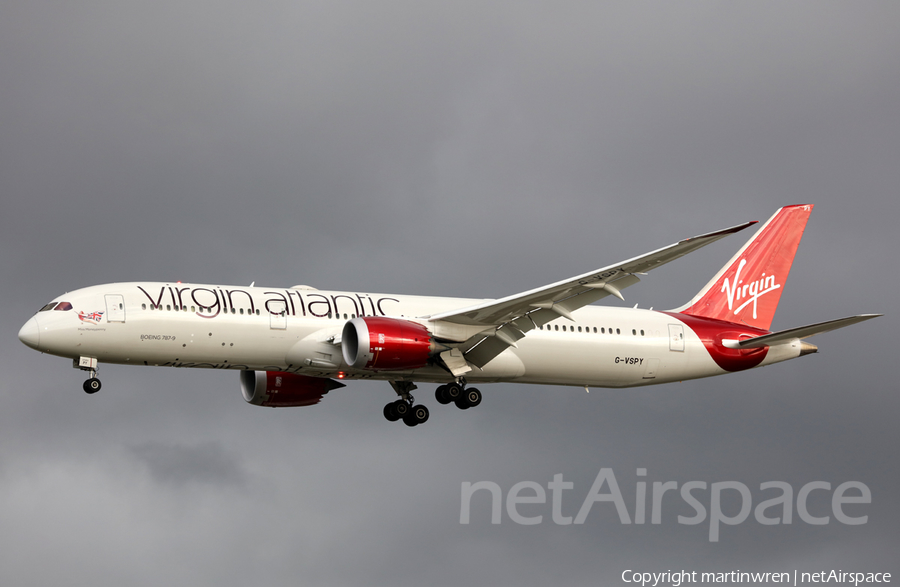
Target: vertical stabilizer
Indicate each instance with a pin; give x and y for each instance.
(747, 289)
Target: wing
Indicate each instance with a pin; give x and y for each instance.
(507, 320)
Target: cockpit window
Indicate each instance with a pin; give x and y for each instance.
(63, 306)
(47, 307)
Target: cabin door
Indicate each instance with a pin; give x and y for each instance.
(115, 308)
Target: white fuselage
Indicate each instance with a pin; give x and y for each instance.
(298, 330)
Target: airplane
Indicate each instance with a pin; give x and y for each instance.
(293, 345)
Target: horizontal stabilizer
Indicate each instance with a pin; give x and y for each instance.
(799, 332)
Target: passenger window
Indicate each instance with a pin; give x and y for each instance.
(595, 330)
(634, 332)
(618, 331)
(557, 327)
(143, 306)
(579, 329)
(642, 333)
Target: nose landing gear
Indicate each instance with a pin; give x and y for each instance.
(89, 364)
(92, 385)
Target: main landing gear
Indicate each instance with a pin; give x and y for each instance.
(412, 415)
(457, 393)
(404, 408)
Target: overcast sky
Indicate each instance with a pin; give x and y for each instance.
(466, 148)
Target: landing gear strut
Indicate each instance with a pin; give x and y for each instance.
(404, 408)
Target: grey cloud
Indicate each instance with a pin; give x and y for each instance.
(206, 463)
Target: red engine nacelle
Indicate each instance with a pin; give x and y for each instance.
(385, 344)
(277, 389)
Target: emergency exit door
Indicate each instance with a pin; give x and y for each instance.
(676, 337)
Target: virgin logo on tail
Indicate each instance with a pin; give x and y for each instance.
(767, 259)
(750, 291)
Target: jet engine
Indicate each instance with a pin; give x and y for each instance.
(277, 389)
(384, 344)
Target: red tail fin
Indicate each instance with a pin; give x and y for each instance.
(748, 288)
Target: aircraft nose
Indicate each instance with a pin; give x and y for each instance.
(30, 334)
